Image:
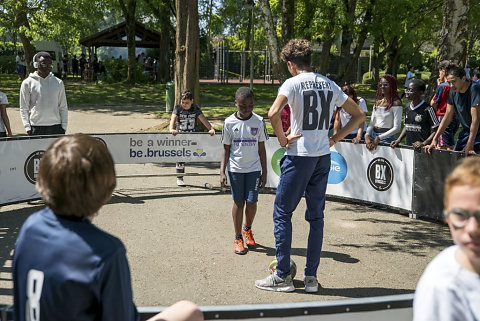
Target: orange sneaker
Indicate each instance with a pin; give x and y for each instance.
(239, 248)
(248, 236)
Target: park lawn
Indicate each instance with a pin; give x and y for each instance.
(104, 94)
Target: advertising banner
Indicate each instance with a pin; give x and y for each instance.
(21, 157)
(144, 148)
(384, 176)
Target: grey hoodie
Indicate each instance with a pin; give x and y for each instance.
(43, 102)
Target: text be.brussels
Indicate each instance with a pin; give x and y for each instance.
(161, 153)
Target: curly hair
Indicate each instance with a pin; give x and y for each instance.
(187, 94)
(298, 51)
(350, 91)
(446, 64)
(392, 81)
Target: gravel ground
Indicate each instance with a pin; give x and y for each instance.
(180, 239)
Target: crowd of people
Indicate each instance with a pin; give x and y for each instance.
(76, 177)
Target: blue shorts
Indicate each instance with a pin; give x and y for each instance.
(386, 140)
(245, 186)
(448, 136)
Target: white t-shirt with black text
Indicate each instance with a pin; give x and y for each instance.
(312, 98)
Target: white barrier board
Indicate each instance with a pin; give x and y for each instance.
(384, 176)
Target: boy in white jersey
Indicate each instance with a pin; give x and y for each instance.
(305, 168)
(243, 139)
(449, 289)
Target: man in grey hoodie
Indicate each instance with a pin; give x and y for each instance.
(43, 103)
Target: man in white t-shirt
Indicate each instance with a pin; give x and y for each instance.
(449, 289)
(305, 168)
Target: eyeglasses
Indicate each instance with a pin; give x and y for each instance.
(459, 217)
(408, 90)
(384, 85)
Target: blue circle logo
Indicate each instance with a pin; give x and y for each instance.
(338, 169)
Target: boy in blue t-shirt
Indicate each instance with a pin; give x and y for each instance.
(184, 120)
(64, 267)
(243, 139)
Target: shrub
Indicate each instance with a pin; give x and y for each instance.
(7, 64)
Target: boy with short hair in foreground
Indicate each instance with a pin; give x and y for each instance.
(449, 289)
(64, 267)
(243, 139)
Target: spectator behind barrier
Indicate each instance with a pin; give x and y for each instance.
(64, 267)
(386, 118)
(342, 117)
(439, 102)
(449, 289)
(420, 119)
(464, 100)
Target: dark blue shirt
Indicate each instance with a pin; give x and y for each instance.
(68, 269)
(463, 102)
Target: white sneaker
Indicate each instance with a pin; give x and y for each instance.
(311, 284)
(275, 283)
(180, 181)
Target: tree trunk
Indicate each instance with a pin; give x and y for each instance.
(187, 52)
(352, 62)
(279, 68)
(288, 17)
(325, 55)
(347, 38)
(164, 56)
(392, 51)
(129, 14)
(453, 37)
(21, 23)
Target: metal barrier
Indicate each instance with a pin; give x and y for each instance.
(392, 307)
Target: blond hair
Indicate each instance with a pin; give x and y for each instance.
(467, 172)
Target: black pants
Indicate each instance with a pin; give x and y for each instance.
(47, 130)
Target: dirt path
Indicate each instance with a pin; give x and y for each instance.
(101, 120)
(180, 240)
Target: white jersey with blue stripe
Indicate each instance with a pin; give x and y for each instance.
(312, 98)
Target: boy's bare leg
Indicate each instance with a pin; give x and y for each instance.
(237, 215)
(180, 311)
(250, 212)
